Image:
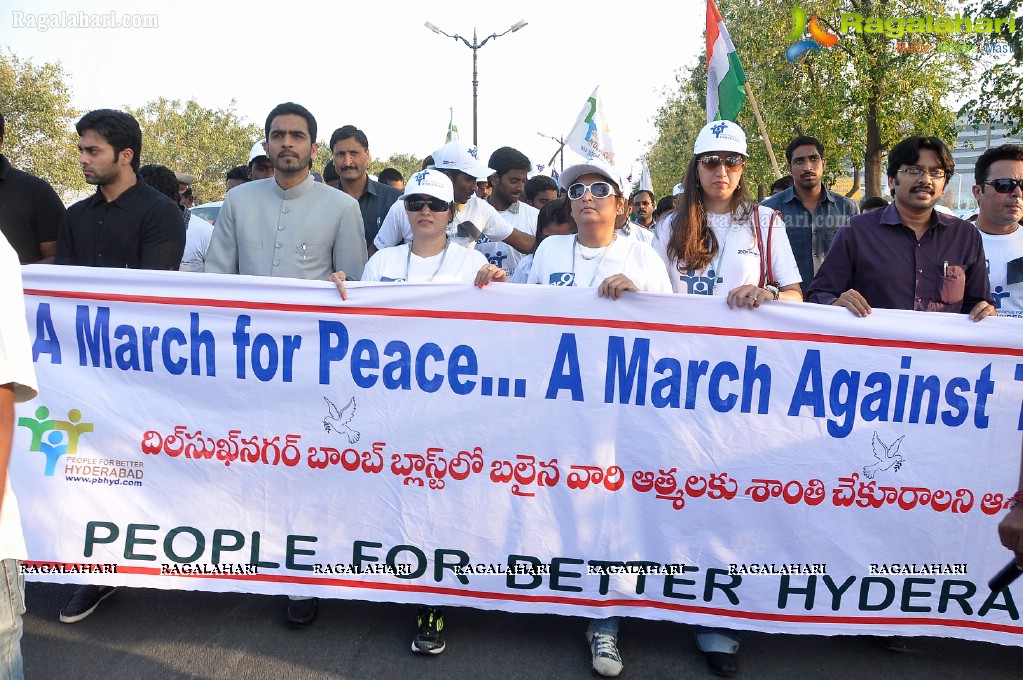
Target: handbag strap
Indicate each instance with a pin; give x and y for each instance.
(766, 269)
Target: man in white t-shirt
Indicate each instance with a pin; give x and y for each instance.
(473, 218)
(17, 384)
(511, 170)
(999, 193)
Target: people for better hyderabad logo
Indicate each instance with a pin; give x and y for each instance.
(55, 438)
(819, 36)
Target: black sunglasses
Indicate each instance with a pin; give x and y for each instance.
(1005, 186)
(731, 162)
(435, 204)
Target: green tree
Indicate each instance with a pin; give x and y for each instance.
(677, 122)
(859, 97)
(39, 137)
(186, 137)
(405, 163)
(998, 96)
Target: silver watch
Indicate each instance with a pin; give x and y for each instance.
(773, 290)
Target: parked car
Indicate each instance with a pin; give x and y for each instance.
(208, 211)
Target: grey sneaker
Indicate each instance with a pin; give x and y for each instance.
(606, 659)
(429, 637)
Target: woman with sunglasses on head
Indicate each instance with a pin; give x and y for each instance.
(430, 257)
(595, 256)
(717, 242)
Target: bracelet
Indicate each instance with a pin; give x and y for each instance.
(1016, 499)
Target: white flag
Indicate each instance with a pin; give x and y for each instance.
(645, 183)
(591, 135)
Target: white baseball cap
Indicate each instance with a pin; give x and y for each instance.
(257, 151)
(594, 165)
(677, 189)
(430, 182)
(720, 135)
(460, 156)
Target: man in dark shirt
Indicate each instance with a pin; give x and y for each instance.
(125, 223)
(350, 149)
(812, 213)
(908, 256)
(30, 211)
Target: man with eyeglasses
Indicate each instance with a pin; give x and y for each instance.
(812, 213)
(999, 193)
(908, 256)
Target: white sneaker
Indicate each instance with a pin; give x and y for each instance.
(606, 659)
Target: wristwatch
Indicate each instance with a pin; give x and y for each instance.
(773, 290)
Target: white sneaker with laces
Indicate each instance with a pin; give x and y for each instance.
(606, 659)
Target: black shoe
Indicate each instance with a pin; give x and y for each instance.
(720, 663)
(301, 612)
(429, 637)
(84, 602)
(895, 643)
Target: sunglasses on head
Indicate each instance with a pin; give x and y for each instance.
(597, 190)
(435, 204)
(731, 162)
(1005, 186)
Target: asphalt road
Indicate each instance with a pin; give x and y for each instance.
(157, 634)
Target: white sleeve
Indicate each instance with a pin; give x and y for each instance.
(783, 262)
(395, 229)
(371, 272)
(495, 227)
(658, 280)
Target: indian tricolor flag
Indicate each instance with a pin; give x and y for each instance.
(725, 77)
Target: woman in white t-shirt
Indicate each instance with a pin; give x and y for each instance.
(595, 256)
(717, 242)
(430, 257)
(711, 246)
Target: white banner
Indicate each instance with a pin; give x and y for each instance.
(526, 448)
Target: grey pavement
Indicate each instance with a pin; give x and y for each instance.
(157, 634)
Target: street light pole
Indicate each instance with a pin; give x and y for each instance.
(475, 46)
(561, 149)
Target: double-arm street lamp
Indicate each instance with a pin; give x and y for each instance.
(475, 46)
(561, 149)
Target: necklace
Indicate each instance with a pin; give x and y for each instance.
(444, 254)
(577, 246)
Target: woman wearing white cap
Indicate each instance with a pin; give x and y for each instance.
(596, 257)
(430, 257)
(717, 242)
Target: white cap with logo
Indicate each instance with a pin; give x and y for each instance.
(460, 156)
(430, 182)
(257, 151)
(594, 165)
(720, 135)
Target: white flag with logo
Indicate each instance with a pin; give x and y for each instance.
(645, 183)
(591, 134)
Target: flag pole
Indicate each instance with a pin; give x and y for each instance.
(763, 130)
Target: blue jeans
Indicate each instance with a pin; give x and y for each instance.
(716, 639)
(12, 607)
(707, 639)
(608, 626)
